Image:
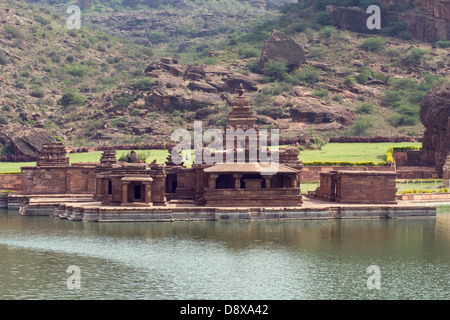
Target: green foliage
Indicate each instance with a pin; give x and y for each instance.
(397, 29)
(344, 164)
(375, 44)
(78, 70)
(414, 58)
(323, 18)
(442, 44)
(249, 53)
(306, 75)
(3, 59)
(13, 32)
(350, 81)
(72, 98)
(366, 108)
(360, 127)
(144, 84)
(37, 93)
(276, 70)
(3, 120)
(405, 97)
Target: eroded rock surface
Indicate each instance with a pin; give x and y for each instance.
(435, 116)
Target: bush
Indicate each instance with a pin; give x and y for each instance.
(3, 59)
(276, 70)
(414, 58)
(375, 44)
(305, 75)
(37, 93)
(249, 53)
(366, 108)
(3, 120)
(442, 44)
(145, 84)
(323, 18)
(78, 71)
(72, 98)
(360, 127)
(350, 81)
(13, 33)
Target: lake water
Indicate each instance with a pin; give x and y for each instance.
(225, 260)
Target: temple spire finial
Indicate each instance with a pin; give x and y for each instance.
(240, 89)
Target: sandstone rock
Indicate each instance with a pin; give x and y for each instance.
(280, 47)
(428, 19)
(317, 114)
(435, 116)
(24, 141)
(233, 80)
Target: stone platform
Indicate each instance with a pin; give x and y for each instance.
(79, 208)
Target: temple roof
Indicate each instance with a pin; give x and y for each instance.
(250, 167)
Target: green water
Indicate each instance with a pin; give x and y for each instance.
(224, 260)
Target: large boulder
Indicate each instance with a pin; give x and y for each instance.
(435, 116)
(318, 114)
(23, 141)
(280, 47)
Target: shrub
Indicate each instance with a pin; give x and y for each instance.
(3, 59)
(375, 44)
(305, 75)
(328, 31)
(350, 81)
(37, 93)
(3, 120)
(323, 18)
(276, 70)
(366, 108)
(77, 70)
(442, 44)
(414, 58)
(249, 53)
(72, 98)
(145, 84)
(360, 127)
(321, 93)
(13, 33)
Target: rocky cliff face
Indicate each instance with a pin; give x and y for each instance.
(427, 19)
(24, 141)
(435, 115)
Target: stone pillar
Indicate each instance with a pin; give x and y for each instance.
(158, 193)
(267, 179)
(147, 192)
(293, 181)
(237, 180)
(125, 192)
(212, 181)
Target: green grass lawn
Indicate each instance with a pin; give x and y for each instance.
(353, 152)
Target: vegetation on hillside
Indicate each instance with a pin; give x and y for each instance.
(52, 76)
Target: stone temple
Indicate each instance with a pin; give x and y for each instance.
(244, 183)
(249, 174)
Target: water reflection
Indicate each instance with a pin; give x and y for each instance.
(224, 260)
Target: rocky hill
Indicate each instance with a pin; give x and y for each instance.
(150, 71)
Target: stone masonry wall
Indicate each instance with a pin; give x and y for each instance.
(10, 182)
(365, 187)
